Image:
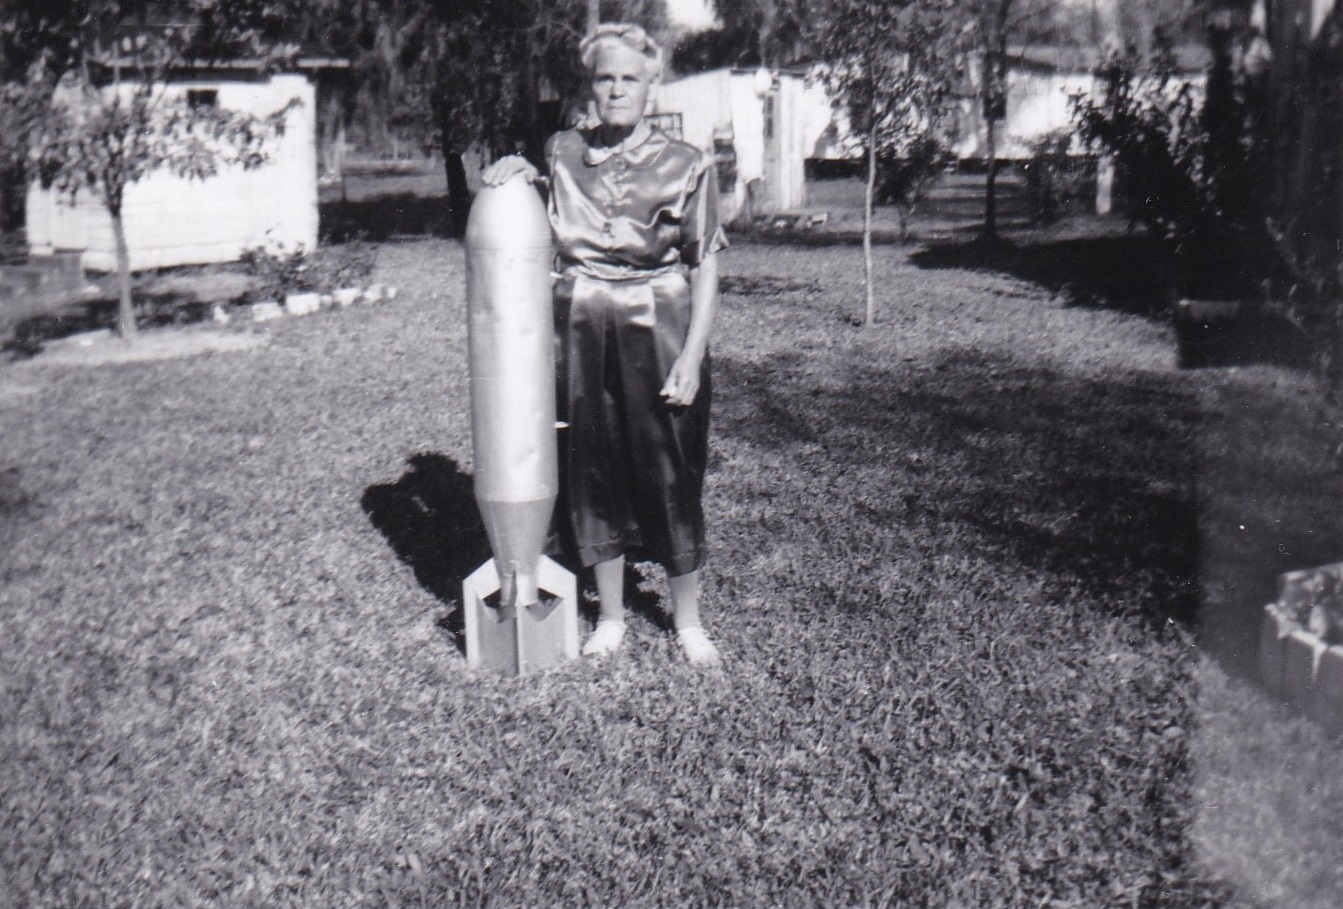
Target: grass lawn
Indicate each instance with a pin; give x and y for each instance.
(975, 570)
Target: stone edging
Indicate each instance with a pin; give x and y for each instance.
(303, 304)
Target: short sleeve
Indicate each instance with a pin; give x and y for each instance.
(546, 167)
(701, 231)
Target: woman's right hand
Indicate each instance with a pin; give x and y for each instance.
(505, 169)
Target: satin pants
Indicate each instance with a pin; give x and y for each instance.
(631, 466)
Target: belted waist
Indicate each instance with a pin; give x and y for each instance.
(634, 300)
(616, 274)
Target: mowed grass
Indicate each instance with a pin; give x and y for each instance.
(955, 570)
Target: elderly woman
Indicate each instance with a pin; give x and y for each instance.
(634, 214)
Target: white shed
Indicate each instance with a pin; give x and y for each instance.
(174, 221)
(771, 122)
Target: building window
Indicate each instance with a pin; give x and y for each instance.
(202, 97)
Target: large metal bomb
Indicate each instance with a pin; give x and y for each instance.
(511, 354)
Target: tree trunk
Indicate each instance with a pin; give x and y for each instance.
(125, 306)
(991, 181)
(13, 189)
(459, 194)
(871, 312)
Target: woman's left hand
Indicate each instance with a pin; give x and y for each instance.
(682, 382)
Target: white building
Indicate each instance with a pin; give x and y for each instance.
(766, 124)
(171, 221)
(1041, 81)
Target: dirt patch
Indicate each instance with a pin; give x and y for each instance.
(97, 348)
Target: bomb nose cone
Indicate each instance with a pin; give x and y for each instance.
(510, 216)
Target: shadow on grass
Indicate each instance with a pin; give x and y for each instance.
(1133, 274)
(769, 288)
(1087, 482)
(1275, 504)
(430, 520)
(381, 218)
(1250, 336)
(1124, 273)
(62, 319)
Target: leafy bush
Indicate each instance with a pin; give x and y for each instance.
(347, 265)
(1175, 147)
(279, 270)
(1207, 172)
(1056, 179)
(903, 176)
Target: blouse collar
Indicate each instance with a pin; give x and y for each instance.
(643, 145)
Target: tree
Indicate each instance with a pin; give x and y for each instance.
(466, 75)
(894, 65)
(1192, 155)
(994, 25)
(482, 71)
(769, 32)
(97, 117)
(999, 27)
(501, 77)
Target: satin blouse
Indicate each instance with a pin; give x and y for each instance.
(632, 214)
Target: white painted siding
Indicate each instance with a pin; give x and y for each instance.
(724, 103)
(173, 221)
(1037, 104)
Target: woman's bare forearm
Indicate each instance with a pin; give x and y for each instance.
(703, 305)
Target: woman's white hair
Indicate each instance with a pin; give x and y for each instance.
(631, 36)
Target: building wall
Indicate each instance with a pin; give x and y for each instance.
(1037, 105)
(772, 136)
(174, 221)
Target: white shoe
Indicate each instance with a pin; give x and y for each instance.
(605, 638)
(698, 649)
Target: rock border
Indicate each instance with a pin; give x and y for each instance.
(308, 302)
(102, 346)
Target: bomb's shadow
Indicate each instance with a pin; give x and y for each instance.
(430, 520)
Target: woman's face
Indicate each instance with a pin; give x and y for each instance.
(620, 84)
